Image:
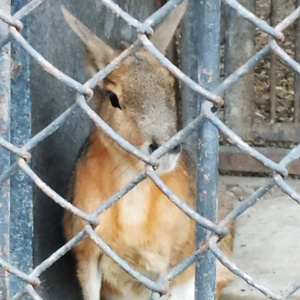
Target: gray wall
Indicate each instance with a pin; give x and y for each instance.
(54, 158)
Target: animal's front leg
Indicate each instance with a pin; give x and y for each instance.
(89, 275)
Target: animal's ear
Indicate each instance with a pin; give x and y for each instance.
(164, 32)
(98, 53)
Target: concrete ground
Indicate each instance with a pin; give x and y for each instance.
(267, 240)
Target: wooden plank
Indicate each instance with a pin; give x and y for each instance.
(232, 159)
(287, 132)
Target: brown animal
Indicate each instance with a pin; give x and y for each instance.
(137, 100)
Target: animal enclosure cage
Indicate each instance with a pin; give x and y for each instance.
(41, 122)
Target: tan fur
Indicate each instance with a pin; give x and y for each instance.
(143, 227)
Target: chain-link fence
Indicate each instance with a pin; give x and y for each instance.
(209, 92)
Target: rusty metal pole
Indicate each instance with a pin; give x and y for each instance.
(208, 18)
(4, 154)
(21, 203)
(200, 61)
(16, 224)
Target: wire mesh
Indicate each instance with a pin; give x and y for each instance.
(211, 99)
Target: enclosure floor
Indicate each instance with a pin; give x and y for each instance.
(267, 240)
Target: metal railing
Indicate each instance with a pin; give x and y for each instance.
(209, 97)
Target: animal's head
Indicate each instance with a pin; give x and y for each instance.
(137, 99)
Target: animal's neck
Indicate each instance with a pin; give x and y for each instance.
(123, 167)
(133, 206)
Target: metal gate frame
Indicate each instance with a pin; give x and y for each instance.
(16, 225)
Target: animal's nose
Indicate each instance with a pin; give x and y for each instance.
(176, 150)
(153, 146)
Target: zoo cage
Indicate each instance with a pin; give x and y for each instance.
(42, 127)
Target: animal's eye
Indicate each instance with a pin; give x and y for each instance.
(114, 100)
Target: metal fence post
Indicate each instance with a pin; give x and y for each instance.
(4, 154)
(16, 225)
(208, 18)
(21, 208)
